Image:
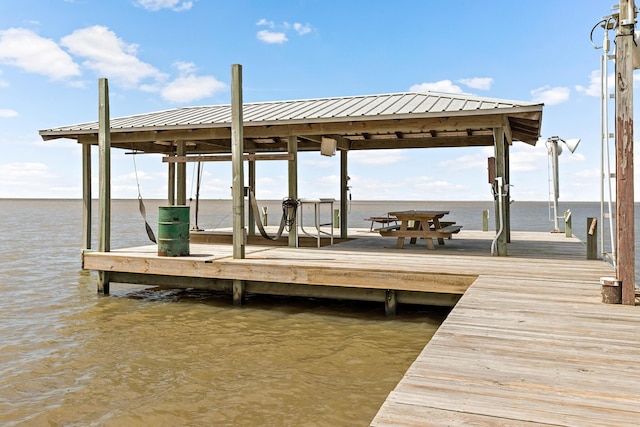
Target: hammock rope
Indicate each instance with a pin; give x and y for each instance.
(141, 207)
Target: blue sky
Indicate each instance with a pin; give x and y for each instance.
(161, 54)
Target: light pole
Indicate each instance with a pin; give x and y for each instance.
(554, 150)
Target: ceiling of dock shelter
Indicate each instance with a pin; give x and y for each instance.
(401, 120)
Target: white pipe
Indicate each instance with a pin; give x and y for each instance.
(501, 222)
(556, 186)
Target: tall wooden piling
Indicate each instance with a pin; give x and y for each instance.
(86, 196)
(104, 148)
(292, 148)
(237, 152)
(592, 238)
(625, 265)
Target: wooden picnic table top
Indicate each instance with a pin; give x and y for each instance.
(420, 215)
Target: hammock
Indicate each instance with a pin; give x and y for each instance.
(287, 221)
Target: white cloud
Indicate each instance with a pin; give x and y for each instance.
(480, 83)
(377, 157)
(445, 86)
(271, 37)
(155, 5)
(279, 35)
(6, 113)
(27, 50)
(551, 95)
(109, 56)
(189, 87)
(264, 22)
(302, 29)
(594, 84)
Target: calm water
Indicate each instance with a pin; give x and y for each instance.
(157, 357)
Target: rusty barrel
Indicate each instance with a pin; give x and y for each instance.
(173, 230)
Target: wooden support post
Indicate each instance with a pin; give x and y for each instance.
(501, 208)
(568, 230)
(104, 148)
(485, 220)
(171, 185)
(292, 148)
(181, 176)
(625, 265)
(592, 238)
(86, 196)
(344, 194)
(237, 151)
(390, 303)
(611, 290)
(252, 184)
(507, 196)
(238, 292)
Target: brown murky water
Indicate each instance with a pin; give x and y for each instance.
(166, 357)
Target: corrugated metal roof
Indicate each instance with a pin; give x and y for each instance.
(372, 107)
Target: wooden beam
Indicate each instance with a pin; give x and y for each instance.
(171, 184)
(292, 169)
(625, 227)
(252, 185)
(426, 142)
(86, 196)
(298, 289)
(344, 194)
(225, 158)
(500, 207)
(346, 126)
(181, 175)
(104, 148)
(237, 151)
(272, 270)
(390, 303)
(238, 292)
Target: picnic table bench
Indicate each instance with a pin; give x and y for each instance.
(384, 220)
(420, 224)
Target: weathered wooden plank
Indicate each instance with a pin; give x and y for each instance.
(225, 158)
(273, 271)
(406, 415)
(518, 350)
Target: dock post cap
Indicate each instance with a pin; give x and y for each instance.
(609, 281)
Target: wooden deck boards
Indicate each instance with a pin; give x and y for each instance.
(525, 350)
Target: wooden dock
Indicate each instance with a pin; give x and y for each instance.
(531, 345)
(529, 341)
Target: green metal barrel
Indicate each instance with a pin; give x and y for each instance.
(173, 230)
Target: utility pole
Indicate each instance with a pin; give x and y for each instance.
(625, 233)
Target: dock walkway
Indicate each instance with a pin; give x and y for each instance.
(532, 347)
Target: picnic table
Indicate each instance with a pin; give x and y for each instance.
(384, 220)
(416, 224)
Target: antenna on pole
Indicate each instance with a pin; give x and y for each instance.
(554, 150)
